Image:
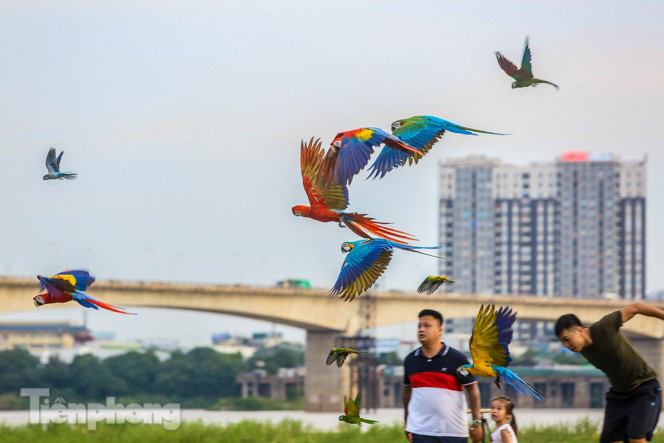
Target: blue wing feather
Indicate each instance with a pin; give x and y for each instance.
(83, 278)
(505, 318)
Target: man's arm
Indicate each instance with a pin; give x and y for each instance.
(473, 395)
(630, 311)
(405, 395)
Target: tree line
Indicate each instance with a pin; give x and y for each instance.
(195, 379)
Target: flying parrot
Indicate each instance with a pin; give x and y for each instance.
(329, 199)
(489, 343)
(421, 132)
(53, 167)
(366, 261)
(352, 412)
(350, 152)
(432, 283)
(69, 285)
(524, 75)
(339, 355)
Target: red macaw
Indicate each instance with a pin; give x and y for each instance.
(350, 152)
(67, 286)
(328, 199)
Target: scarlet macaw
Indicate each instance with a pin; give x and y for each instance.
(352, 412)
(69, 285)
(489, 347)
(421, 132)
(53, 167)
(524, 75)
(329, 199)
(350, 152)
(366, 261)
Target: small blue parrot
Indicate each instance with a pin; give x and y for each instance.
(366, 261)
(421, 132)
(53, 167)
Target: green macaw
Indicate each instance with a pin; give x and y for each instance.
(432, 283)
(352, 412)
(339, 355)
(524, 75)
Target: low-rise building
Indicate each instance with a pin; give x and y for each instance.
(38, 336)
(287, 384)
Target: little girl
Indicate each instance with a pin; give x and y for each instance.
(501, 413)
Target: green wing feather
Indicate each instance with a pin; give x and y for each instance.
(526, 61)
(350, 407)
(331, 357)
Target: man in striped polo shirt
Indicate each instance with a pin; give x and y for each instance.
(433, 394)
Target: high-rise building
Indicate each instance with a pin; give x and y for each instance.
(573, 227)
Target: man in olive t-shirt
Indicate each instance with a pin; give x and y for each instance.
(633, 401)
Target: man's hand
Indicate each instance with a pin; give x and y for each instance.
(476, 433)
(409, 436)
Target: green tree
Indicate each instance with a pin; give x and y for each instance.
(18, 369)
(202, 372)
(92, 380)
(137, 369)
(277, 357)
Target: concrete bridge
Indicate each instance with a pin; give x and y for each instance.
(326, 320)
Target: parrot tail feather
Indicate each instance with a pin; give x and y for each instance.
(398, 144)
(117, 309)
(367, 227)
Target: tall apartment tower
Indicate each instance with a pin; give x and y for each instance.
(574, 227)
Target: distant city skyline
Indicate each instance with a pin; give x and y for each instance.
(571, 227)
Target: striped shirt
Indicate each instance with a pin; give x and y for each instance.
(437, 404)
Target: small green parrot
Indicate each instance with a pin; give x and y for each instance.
(524, 75)
(352, 412)
(432, 283)
(340, 354)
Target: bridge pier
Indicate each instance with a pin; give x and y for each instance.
(324, 386)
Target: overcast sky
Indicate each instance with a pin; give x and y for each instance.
(184, 119)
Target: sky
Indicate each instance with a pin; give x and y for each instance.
(184, 120)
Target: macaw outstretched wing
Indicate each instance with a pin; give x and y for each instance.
(350, 407)
(331, 357)
(363, 265)
(492, 333)
(355, 149)
(319, 189)
(52, 163)
(526, 60)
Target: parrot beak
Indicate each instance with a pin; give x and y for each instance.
(347, 247)
(38, 301)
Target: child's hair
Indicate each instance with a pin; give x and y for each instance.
(509, 408)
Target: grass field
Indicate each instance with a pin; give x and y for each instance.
(250, 432)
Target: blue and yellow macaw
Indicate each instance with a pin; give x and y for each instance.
(366, 261)
(489, 347)
(350, 152)
(69, 285)
(421, 132)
